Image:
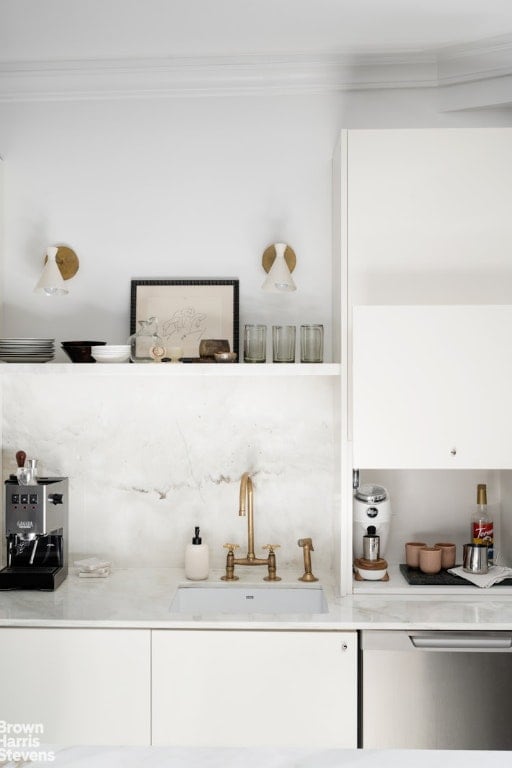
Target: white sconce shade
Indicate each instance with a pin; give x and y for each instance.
(279, 261)
(61, 264)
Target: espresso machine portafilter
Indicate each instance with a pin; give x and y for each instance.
(36, 530)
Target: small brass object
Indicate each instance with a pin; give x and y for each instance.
(230, 563)
(269, 256)
(307, 545)
(208, 347)
(272, 565)
(246, 507)
(67, 261)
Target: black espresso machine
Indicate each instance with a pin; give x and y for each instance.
(36, 528)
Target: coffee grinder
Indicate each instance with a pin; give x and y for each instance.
(372, 517)
(36, 529)
(372, 507)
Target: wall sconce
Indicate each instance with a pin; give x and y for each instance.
(60, 264)
(279, 261)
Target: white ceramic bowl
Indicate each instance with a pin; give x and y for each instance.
(371, 574)
(111, 353)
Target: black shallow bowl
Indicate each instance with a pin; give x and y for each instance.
(82, 343)
(80, 351)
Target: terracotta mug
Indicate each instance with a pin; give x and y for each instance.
(448, 554)
(430, 559)
(412, 553)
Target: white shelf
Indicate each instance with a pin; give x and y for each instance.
(397, 585)
(170, 370)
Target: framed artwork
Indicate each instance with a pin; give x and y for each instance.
(188, 311)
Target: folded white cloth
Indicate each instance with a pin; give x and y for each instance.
(92, 568)
(495, 574)
(91, 564)
(100, 573)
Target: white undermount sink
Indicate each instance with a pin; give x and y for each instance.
(229, 598)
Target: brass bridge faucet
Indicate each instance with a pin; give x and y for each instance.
(246, 507)
(307, 545)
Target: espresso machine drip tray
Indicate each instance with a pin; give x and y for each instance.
(31, 577)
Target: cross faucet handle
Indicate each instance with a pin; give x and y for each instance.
(271, 547)
(230, 563)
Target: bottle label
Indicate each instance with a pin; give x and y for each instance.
(483, 533)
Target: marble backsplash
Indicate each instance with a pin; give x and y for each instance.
(150, 458)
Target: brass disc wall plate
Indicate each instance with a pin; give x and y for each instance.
(67, 261)
(269, 256)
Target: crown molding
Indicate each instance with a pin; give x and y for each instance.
(476, 76)
(482, 61)
(479, 60)
(134, 78)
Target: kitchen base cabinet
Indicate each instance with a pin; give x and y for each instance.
(78, 686)
(260, 688)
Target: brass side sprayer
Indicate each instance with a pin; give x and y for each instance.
(307, 545)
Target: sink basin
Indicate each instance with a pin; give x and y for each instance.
(228, 598)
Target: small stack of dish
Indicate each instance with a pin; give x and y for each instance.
(111, 353)
(27, 350)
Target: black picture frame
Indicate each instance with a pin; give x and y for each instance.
(188, 310)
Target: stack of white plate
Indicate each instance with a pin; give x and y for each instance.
(27, 350)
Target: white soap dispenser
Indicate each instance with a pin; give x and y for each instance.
(197, 559)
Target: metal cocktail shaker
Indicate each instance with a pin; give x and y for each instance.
(475, 558)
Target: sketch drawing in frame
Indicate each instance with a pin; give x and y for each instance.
(188, 311)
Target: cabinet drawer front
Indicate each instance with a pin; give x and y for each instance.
(236, 688)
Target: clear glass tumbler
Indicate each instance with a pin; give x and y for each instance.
(255, 344)
(283, 343)
(311, 343)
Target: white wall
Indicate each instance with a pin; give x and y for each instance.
(192, 187)
(169, 188)
(179, 188)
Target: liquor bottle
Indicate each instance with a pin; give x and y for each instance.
(482, 528)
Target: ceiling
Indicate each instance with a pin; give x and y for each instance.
(69, 49)
(38, 30)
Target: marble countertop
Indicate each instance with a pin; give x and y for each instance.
(141, 598)
(191, 757)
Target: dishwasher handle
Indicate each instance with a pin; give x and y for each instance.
(439, 641)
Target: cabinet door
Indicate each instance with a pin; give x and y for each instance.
(429, 215)
(236, 688)
(431, 387)
(83, 686)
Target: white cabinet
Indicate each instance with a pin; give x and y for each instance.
(427, 215)
(83, 686)
(242, 688)
(422, 218)
(431, 387)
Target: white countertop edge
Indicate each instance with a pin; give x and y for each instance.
(245, 626)
(140, 598)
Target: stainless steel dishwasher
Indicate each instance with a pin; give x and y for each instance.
(442, 690)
